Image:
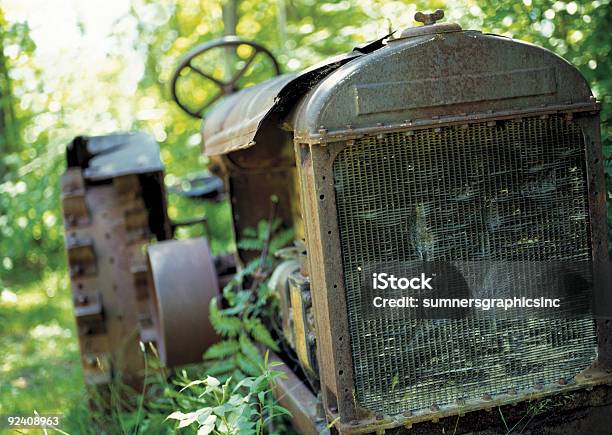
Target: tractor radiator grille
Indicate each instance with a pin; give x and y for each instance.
(515, 191)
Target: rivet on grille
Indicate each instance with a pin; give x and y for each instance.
(434, 408)
(437, 130)
(465, 126)
(379, 417)
(380, 136)
(512, 391)
(543, 116)
(460, 402)
(562, 381)
(486, 396)
(351, 142)
(379, 124)
(354, 422)
(407, 413)
(491, 123)
(539, 386)
(349, 127)
(409, 133)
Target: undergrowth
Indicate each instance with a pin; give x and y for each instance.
(230, 392)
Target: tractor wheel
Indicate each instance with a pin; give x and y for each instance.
(106, 235)
(130, 284)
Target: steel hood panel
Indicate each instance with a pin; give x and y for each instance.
(437, 76)
(235, 123)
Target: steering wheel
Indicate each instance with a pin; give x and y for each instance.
(226, 86)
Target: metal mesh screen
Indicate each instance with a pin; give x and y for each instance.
(515, 191)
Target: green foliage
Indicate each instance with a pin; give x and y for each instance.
(245, 305)
(243, 404)
(234, 407)
(39, 358)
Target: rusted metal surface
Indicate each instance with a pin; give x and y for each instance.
(238, 121)
(327, 277)
(247, 189)
(602, 266)
(73, 197)
(226, 87)
(293, 395)
(106, 309)
(234, 122)
(386, 92)
(183, 283)
(323, 246)
(453, 78)
(109, 215)
(585, 382)
(578, 412)
(256, 176)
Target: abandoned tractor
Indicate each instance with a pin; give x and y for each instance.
(434, 144)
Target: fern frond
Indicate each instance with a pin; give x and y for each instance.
(262, 230)
(224, 325)
(246, 365)
(222, 349)
(260, 333)
(281, 240)
(223, 367)
(249, 232)
(250, 244)
(250, 350)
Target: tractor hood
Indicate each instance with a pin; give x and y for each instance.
(236, 121)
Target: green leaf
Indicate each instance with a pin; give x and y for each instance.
(281, 240)
(246, 365)
(222, 349)
(279, 410)
(208, 425)
(191, 384)
(262, 230)
(260, 333)
(225, 325)
(249, 232)
(250, 350)
(237, 301)
(250, 244)
(223, 367)
(213, 382)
